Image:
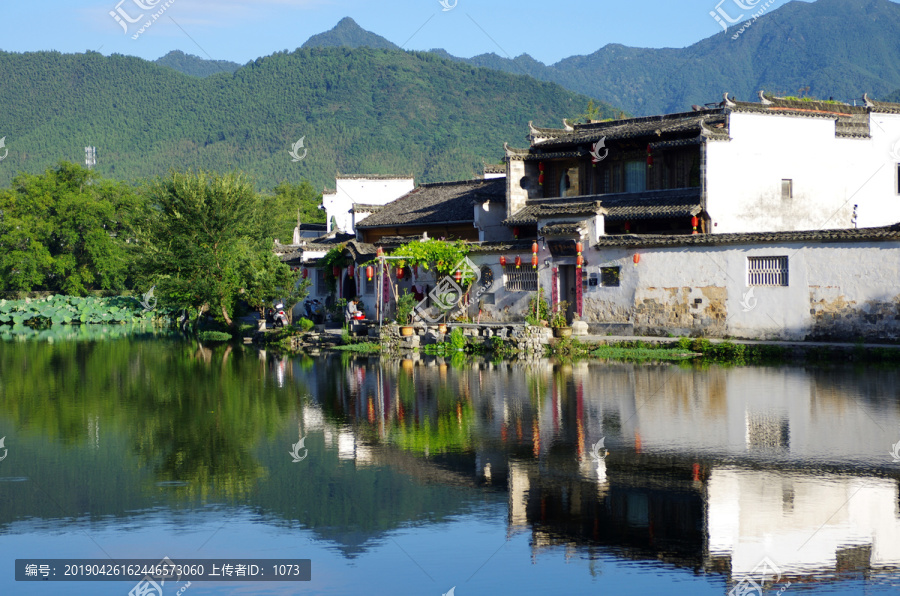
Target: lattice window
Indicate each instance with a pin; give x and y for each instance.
(523, 279)
(321, 286)
(767, 431)
(767, 271)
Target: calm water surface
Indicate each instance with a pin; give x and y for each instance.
(428, 475)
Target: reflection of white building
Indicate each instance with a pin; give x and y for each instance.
(803, 523)
(369, 192)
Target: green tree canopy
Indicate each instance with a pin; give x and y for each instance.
(208, 244)
(292, 201)
(66, 230)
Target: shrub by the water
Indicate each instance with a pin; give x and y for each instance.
(213, 336)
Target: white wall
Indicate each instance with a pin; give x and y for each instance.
(370, 191)
(755, 514)
(830, 175)
(856, 287)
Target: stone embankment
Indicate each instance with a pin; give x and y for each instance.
(516, 338)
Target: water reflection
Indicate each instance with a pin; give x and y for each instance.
(708, 469)
(713, 468)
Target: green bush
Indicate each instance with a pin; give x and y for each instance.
(214, 336)
(305, 324)
(457, 339)
(538, 309)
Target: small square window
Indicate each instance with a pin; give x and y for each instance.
(521, 279)
(609, 276)
(787, 189)
(767, 271)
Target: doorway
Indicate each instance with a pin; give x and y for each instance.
(567, 290)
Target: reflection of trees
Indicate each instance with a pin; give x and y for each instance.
(189, 419)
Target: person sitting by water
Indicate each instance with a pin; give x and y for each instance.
(350, 310)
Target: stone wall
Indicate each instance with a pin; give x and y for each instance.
(835, 318)
(517, 338)
(680, 311)
(837, 291)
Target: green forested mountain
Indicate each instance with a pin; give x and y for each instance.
(358, 111)
(194, 65)
(828, 48)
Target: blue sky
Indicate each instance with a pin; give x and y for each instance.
(242, 30)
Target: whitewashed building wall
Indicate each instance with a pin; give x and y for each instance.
(830, 174)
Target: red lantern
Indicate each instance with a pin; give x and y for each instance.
(457, 276)
(518, 262)
(503, 261)
(541, 166)
(579, 261)
(534, 261)
(399, 272)
(694, 223)
(627, 226)
(336, 270)
(379, 252)
(516, 232)
(649, 156)
(541, 178)
(305, 273)
(637, 258)
(579, 247)
(370, 271)
(534, 247)
(350, 271)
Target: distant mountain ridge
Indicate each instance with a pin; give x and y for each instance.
(828, 48)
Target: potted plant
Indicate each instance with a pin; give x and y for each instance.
(558, 321)
(405, 306)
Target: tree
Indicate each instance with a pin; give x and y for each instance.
(67, 231)
(289, 201)
(208, 244)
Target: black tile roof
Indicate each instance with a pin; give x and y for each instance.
(565, 228)
(711, 123)
(500, 246)
(651, 204)
(883, 234)
(373, 176)
(366, 208)
(439, 203)
(532, 212)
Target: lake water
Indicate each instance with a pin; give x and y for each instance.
(418, 477)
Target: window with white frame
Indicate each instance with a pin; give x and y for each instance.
(521, 279)
(767, 271)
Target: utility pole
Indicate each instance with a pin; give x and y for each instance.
(90, 157)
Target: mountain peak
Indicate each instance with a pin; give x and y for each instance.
(347, 33)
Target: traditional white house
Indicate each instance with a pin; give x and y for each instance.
(354, 197)
(739, 167)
